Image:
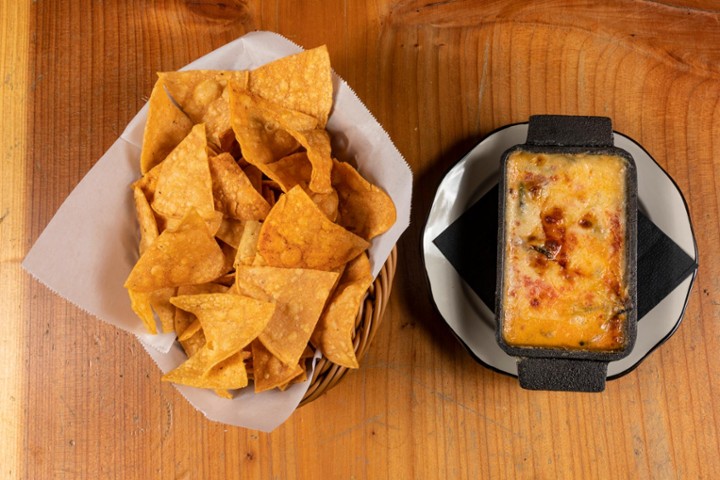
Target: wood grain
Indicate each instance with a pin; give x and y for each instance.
(14, 48)
(85, 401)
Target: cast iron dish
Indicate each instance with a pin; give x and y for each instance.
(557, 368)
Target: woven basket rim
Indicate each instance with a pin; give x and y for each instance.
(327, 374)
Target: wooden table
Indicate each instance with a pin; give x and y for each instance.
(81, 399)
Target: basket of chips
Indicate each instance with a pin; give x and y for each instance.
(256, 242)
(253, 238)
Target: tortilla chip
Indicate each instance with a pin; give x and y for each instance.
(334, 332)
(296, 169)
(191, 330)
(317, 144)
(160, 303)
(229, 321)
(364, 209)
(268, 371)
(182, 318)
(247, 248)
(289, 171)
(193, 344)
(296, 233)
(217, 122)
(196, 90)
(203, 371)
(234, 195)
(301, 82)
(184, 181)
(299, 296)
(230, 231)
(188, 255)
(146, 220)
(140, 304)
(259, 134)
(165, 128)
(254, 174)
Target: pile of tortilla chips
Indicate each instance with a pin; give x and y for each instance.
(253, 237)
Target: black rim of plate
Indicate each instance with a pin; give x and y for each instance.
(632, 367)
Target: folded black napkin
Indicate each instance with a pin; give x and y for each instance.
(470, 245)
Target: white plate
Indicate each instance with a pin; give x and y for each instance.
(473, 322)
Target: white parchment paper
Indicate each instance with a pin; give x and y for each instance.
(89, 247)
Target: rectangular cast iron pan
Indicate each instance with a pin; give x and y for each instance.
(557, 368)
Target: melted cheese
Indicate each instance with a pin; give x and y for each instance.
(564, 270)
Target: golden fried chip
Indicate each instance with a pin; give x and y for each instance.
(301, 82)
(196, 90)
(299, 296)
(217, 122)
(160, 303)
(184, 181)
(317, 144)
(188, 255)
(230, 231)
(191, 330)
(146, 220)
(296, 169)
(247, 247)
(260, 137)
(268, 371)
(140, 304)
(234, 195)
(254, 174)
(229, 321)
(145, 303)
(296, 233)
(333, 334)
(165, 128)
(148, 182)
(182, 318)
(230, 253)
(193, 344)
(364, 209)
(203, 371)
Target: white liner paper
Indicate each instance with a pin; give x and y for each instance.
(89, 247)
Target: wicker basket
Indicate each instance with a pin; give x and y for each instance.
(369, 317)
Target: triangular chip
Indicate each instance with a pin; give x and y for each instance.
(234, 195)
(317, 144)
(188, 255)
(146, 220)
(247, 248)
(184, 319)
(268, 371)
(258, 130)
(299, 296)
(296, 233)
(203, 371)
(296, 169)
(140, 304)
(230, 231)
(165, 127)
(196, 90)
(217, 122)
(364, 209)
(333, 334)
(160, 303)
(301, 82)
(229, 321)
(184, 181)
(193, 344)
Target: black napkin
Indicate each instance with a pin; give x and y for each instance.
(470, 244)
